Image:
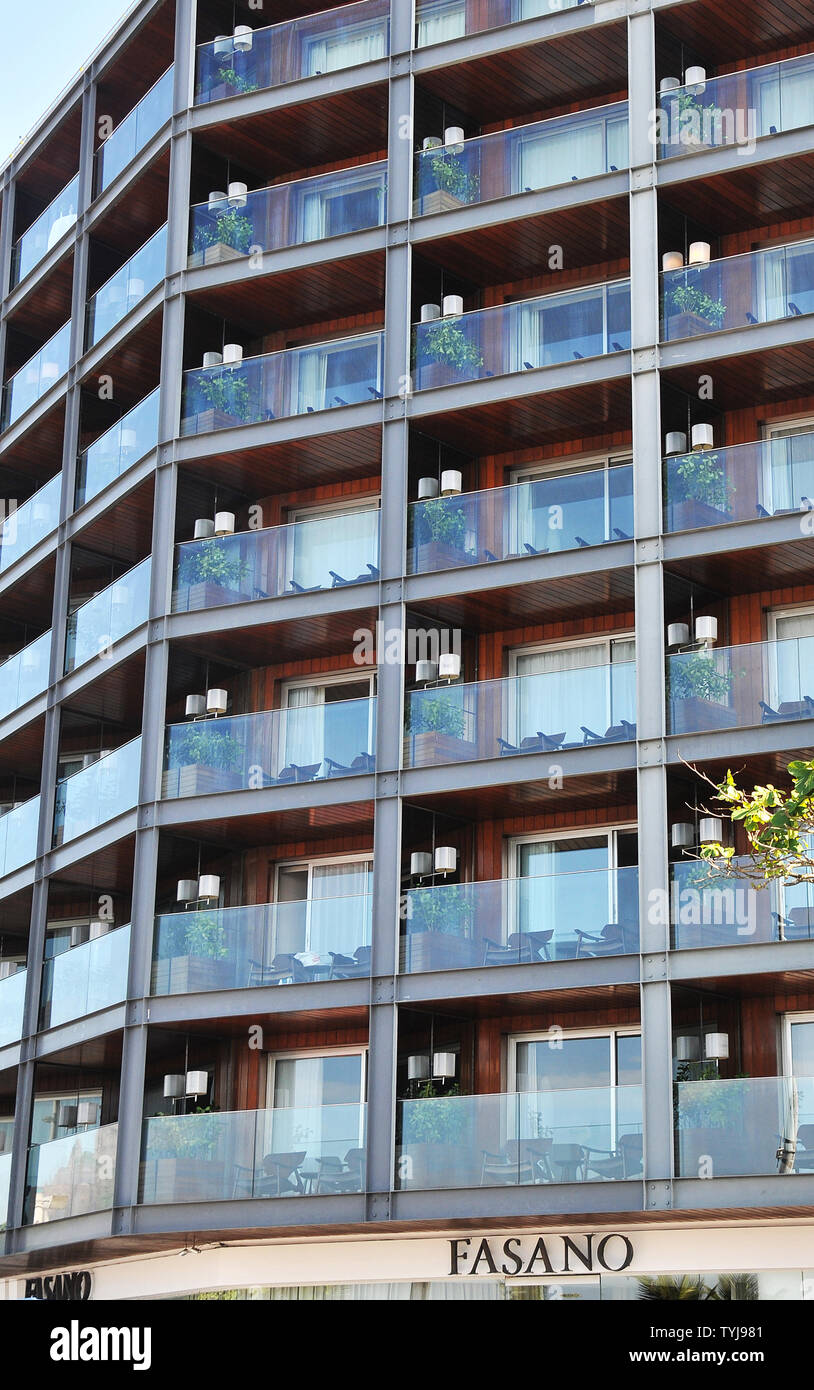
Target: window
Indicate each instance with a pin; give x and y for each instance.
(323, 906)
(791, 659)
(440, 20)
(574, 324)
(567, 883)
(580, 1088)
(341, 373)
(331, 720)
(798, 1063)
(45, 1124)
(559, 505)
(571, 149)
(341, 540)
(315, 1105)
(571, 687)
(786, 98)
(788, 467)
(345, 47)
(332, 208)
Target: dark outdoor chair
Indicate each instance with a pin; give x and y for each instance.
(621, 535)
(617, 733)
(522, 948)
(301, 589)
(568, 1162)
(338, 581)
(297, 772)
(281, 1175)
(533, 743)
(534, 550)
(615, 939)
(518, 1161)
(284, 969)
(363, 762)
(625, 1161)
(796, 925)
(787, 709)
(352, 967)
(341, 1174)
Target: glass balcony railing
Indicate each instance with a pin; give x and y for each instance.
(25, 675)
(27, 525)
(290, 214)
(5, 1181)
(266, 944)
(317, 43)
(254, 1153)
(518, 337)
(130, 439)
(322, 553)
(95, 627)
(440, 20)
(521, 921)
(516, 1138)
(759, 287)
(521, 160)
(756, 1125)
(49, 228)
(296, 381)
(738, 108)
(18, 835)
(713, 487)
(562, 511)
(271, 748)
(128, 287)
(71, 1176)
(135, 131)
(737, 687)
(98, 793)
(40, 373)
(545, 713)
(85, 978)
(12, 1003)
(713, 908)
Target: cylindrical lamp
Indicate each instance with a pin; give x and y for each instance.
(87, 1112)
(217, 700)
(446, 859)
(695, 78)
(232, 353)
(420, 863)
(675, 442)
(454, 138)
(135, 288)
(418, 1068)
(209, 888)
(174, 1083)
(669, 84)
(672, 260)
(9, 967)
(451, 482)
(453, 304)
(443, 1065)
(700, 253)
(224, 523)
(430, 312)
(688, 1049)
(426, 671)
(427, 488)
(716, 1047)
(187, 890)
(79, 935)
(710, 830)
(67, 1115)
(212, 359)
(703, 437)
(449, 666)
(222, 45)
(98, 928)
(196, 1083)
(678, 635)
(431, 142)
(244, 38)
(706, 629)
(218, 200)
(682, 834)
(204, 529)
(238, 195)
(195, 706)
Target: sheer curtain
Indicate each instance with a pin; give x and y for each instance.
(439, 22)
(345, 48)
(303, 740)
(312, 376)
(559, 155)
(562, 689)
(565, 886)
(795, 656)
(337, 540)
(314, 216)
(790, 467)
(787, 100)
(340, 907)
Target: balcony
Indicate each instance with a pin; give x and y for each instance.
(98, 793)
(296, 381)
(292, 559)
(526, 158)
(49, 229)
(95, 627)
(738, 108)
(18, 835)
(135, 131)
(265, 944)
(30, 523)
(738, 291)
(131, 439)
(521, 921)
(518, 337)
(254, 1153)
(440, 20)
(514, 1139)
(5, 1180)
(85, 978)
(711, 908)
(71, 1176)
(25, 675)
(546, 713)
(38, 375)
(329, 42)
(12, 1003)
(566, 511)
(290, 214)
(714, 487)
(748, 1126)
(127, 288)
(739, 687)
(271, 748)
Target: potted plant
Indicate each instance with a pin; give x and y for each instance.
(181, 1161)
(713, 1118)
(435, 730)
(443, 353)
(439, 535)
(204, 757)
(226, 239)
(450, 183)
(226, 81)
(224, 397)
(699, 694)
(693, 124)
(689, 311)
(439, 928)
(210, 573)
(437, 1145)
(192, 955)
(698, 491)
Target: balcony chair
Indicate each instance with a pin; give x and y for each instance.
(522, 948)
(301, 588)
(341, 1174)
(615, 939)
(581, 542)
(338, 581)
(285, 969)
(568, 1162)
(804, 1162)
(625, 1161)
(787, 709)
(797, 925)
(518, 1161)
(795, 311)
(355, 967)
(534, 550)
(281, 1175)
(621, 535)
(533, 743)
(363, 762)
(490, 555)
(617, 733)
(296, 772)
(761, 510)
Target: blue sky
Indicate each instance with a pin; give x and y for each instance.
(47, 41)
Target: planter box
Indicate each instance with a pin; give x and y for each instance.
(436, 555)
(693, 715)
(435, 950)
(208, 420)
(426, 1165)
(431, 749)
(191, 598)
(198, 780)
(439, 201)
(688, 326)
(191, 974)
(182, 1179)
(442, 374)
(688, 515)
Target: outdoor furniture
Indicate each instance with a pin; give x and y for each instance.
(625, 1161)
(281, 1175)
(352, 967)
(787, 709)
(363, 762)
(797, 925)
(296, 772)
(284, 969)
(301, 589)
(509, 1167)
(568, 1162)
(613, 940)
(533, 743)
(617, 733)
(804, 1161)
(522, 948)
(338, 581)
(341, 1174)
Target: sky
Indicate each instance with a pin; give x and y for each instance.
(64, 33)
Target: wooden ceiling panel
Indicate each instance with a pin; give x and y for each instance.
(38, 449)
(247, 648)
(749, 197)
(140, 211)
(50, 303)
(149, 53)
(285, 827)
(597, 793)
(780, 566)
(116, 698)
(311, 294)
(751, 378)
(551, 417)
(134, 366)
(523, 605)
(300, 463)
(21, 754)
(124, 531)
(31, 598)
(722, 32)
(55, 164)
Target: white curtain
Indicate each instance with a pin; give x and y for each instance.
(317, 1106)
(564, 886)
(439, 22)
(337, 540)
(787, 100)
(345, 48)
(795, 656)
(314, 216)
(562, 690)
(791, 467)
(303, 740)
(312, 375)
(340, 910)
(559, 155)
(775, 288)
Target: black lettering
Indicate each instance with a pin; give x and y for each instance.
(48, 1287)
(33, 1288)
(484, 1253)
(454, 1255)
(512, 1255)
(84, 1283)
(570, 1246)
(602, 1246)
(539, 1253)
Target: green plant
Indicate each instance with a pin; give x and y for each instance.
(225, 390)
(673, 1287)
(701, 477)
(207, 744)
(441, 519)
(743, 1288)
(705, 1102)
(193, 934)
(231, 78)
(696, 675)
(698, 122)
(434, 1119)
(213, 561)
(443, 341)
(691, 299)
(451, 176)
(779, 828)
(231, 229)
(184, 1136)
(446, 907)
(434, 714)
